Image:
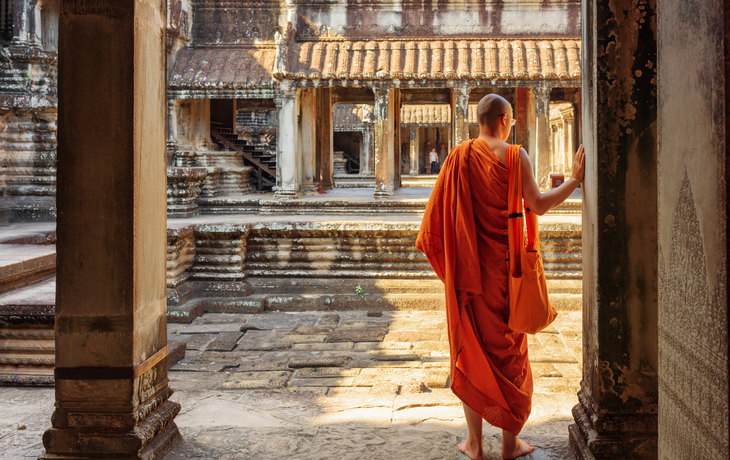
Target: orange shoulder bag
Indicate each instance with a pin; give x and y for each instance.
(529, 306)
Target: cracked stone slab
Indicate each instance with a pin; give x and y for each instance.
(367, 334)
(225, 341)
(256, 380)
(198, 341)
(432, 378)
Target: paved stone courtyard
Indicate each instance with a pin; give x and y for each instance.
(327, 385)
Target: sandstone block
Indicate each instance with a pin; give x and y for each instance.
(321, 372)
(323, 382)
(367, 334)
(336, 346)
(413, 388)
(412, 336)
(198, 341)
(329, 320)
(384, 388)
(389, 356)
(319, 361)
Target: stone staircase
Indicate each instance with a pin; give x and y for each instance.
(27, 308)
(354, 180)
(428, 180)
(325, 266)
(262, 160)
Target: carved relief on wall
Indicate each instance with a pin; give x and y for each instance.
(232, 26)
(692, 341)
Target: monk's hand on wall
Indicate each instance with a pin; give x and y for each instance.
(579, 164)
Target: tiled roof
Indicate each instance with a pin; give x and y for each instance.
(388, 59)
(253, 68)
(223, 69)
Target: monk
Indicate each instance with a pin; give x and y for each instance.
(464, 236)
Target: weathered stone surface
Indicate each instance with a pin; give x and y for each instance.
(384, 388)
(256, 380)
(320, 361)
(316, 372)
(198, 341)
(334, 346)
(225, 341)
(432, 378)
(329, 320)
(369, 334)
(380, 356)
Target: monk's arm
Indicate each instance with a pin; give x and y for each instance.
(540, 202)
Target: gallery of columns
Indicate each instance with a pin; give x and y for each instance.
(655, 209)
(305, 83)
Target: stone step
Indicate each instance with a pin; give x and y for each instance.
(24, 264)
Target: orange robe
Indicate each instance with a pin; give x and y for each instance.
(464, 236)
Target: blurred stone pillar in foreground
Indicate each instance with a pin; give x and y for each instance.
(112, 394)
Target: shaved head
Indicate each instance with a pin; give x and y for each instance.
(490, 108)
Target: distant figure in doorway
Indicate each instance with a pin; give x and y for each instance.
(434, 156)
(464, 235)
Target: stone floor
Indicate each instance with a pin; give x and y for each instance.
(327, 385)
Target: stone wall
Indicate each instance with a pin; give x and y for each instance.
(693, 245)
(238, 22)
(296, 266)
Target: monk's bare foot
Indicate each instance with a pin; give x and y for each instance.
(471, 449)
(513, 447)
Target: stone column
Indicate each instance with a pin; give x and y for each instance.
(693, 189)
(542, 125)
(200, 123)
(112, 394)
(308, 149)
(325, 137)
(366, 164)
(414, 151)
(172, 142)
(287, 174)
(568, 138)
(21, 22)
(521, 116)
(617, 414)
(460, 114)
(383, 142)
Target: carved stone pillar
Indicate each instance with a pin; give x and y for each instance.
(568, 139)
(325, 137)
(460, 114)
(384, 137)
(308, 139)
(617, 414)
(414, 151)
(112, 393)
(172, 142)
(21, 22)
(366, 164)
(287, 174)
(542, 124)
